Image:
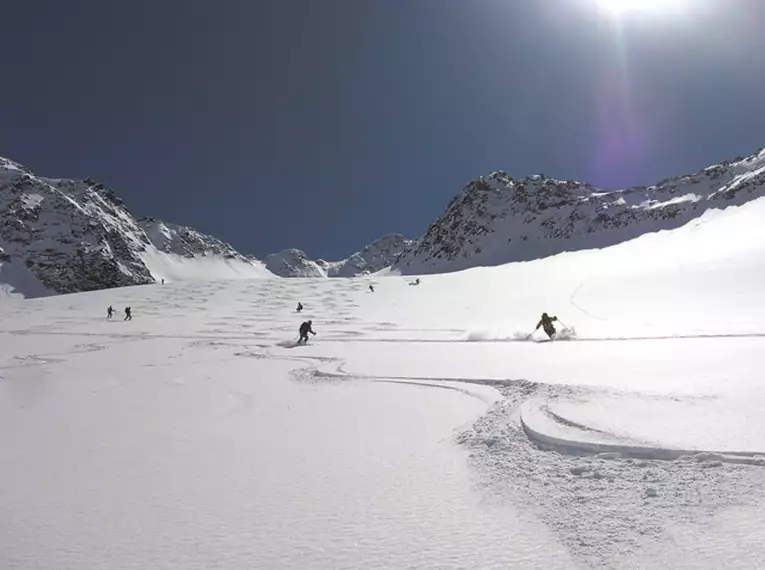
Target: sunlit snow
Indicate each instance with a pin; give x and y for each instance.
(424, 426)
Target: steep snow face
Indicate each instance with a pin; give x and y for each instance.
(497, 219)
(65, 236)
(378, 255)
(173, 267)
(180, 253)
(185, 241)
(294, 263)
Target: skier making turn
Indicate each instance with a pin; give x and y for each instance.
(546, 322)
(305, 328)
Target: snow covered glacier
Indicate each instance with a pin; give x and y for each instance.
(427, 426)
(423, 426)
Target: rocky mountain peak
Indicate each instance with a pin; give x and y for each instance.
(497, 219)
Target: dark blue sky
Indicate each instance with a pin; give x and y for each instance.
(323, 124)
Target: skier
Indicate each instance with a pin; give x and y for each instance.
(128, 314)
(109, 312)
(546, 322)
(305, 328)
(371, 288)
(163, 282)
(299, 307)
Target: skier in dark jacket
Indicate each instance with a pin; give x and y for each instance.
(299, 307)
(128, 314)
(305, 328)
(371, 288)
(109, 312)
(546, 322)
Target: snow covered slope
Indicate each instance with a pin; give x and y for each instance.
(63, 236)
(185, 241)
(376, 256)
(497, 219)
(420, 428)
(180, 253)
(294, 263)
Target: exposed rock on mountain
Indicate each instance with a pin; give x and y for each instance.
(497, 219)
(378, 255)
(294, 263)
(64, 236)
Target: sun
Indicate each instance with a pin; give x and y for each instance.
(621, 6)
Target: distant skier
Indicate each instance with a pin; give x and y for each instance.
(305, 328)
(546, 322)
(109, 312)
(299, 307)
(163, 282)
(415, 282)
(128, 314)
(371, 288)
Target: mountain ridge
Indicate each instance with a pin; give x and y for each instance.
(65, 236)
(497, 219)
(374, 257)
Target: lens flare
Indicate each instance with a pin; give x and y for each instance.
(620, 6)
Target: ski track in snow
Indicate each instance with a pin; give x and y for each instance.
(184, 346)
(607, 499)
(596, 497)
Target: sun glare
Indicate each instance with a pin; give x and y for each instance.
(620, 6)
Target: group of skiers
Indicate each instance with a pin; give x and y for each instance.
(545, 322)
(305, 327)
(128, 313)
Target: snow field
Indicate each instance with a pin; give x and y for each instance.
(188, 438)
(416, 429)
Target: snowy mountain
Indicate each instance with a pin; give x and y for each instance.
(185, 241)
(64, 236)
(378, 255)
(497, 219)
(294, 263)
(419, 428)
